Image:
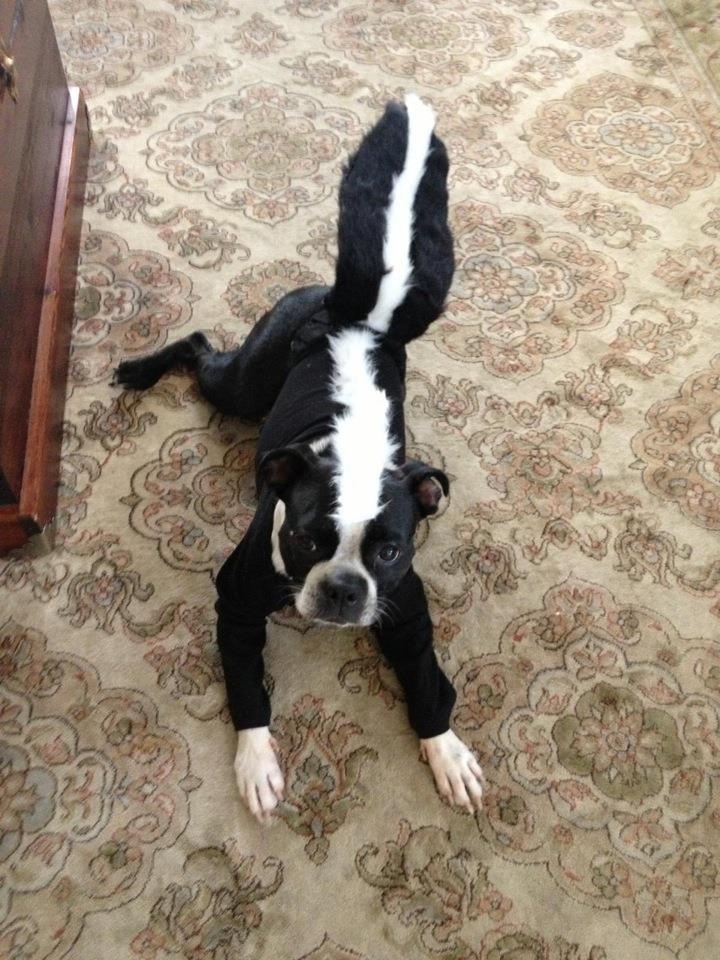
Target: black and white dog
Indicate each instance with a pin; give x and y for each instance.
(338, 500)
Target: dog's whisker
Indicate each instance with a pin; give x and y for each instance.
(386, 609)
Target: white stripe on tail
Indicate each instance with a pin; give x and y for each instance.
(399, 215)
(361, 434)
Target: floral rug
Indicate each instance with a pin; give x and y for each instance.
(572, 393)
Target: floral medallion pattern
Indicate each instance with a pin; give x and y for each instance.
(587, 29)
(413, 43)
(258, 36)
(605, 758)
(430, 885)
(106, 594)
(569, 391)
(520, 295)
(546, 473)
(693, 271)
(201, 479)
(679, 452)
(91, 786)
(127, 301)
(322, 772)
(255, 290)
(215, 911)
(262, 151)
(184, 654)
(440, 890)
(371, 671)
(107, 43)
(631, 136)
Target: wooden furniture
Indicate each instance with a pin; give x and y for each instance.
(44, 139)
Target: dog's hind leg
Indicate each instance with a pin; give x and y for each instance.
(243, 382)
(146, 371)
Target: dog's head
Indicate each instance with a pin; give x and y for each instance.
(344, 572)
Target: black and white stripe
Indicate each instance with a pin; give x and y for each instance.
(395, 251)
(361, 437)
(394, 268)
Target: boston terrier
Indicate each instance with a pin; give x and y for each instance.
(338, 499)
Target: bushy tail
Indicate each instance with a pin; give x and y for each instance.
(395, 251)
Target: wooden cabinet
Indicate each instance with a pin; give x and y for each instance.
(43, 161)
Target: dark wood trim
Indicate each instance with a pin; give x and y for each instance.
(13, 532)
(31, 134)
(38, 494)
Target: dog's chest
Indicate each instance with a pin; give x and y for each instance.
(305, 409)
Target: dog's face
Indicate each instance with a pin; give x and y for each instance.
(344, 573)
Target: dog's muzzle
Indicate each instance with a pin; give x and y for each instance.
(342, 597)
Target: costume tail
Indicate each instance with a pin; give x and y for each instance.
(395, 250)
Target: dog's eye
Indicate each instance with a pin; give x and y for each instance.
(389, 553)
(305, 542)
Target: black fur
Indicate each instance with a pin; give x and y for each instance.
(283, 372)
(245, 382)
(364, 196)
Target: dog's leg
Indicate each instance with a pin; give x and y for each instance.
(243, 382)
(249, 590)
(144, 372)
(457, 773)
(405, 638)
(259, 778)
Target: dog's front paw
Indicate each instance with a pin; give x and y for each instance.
(259, 778)
(457, 773)
(140, 374)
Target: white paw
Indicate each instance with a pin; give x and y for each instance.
(259, 778)
(457, 773)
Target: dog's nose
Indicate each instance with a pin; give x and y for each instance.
(344, 593)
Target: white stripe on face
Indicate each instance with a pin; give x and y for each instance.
(278, 520)
(347, 556)
(399, 215)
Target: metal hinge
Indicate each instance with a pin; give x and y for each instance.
(8, 74)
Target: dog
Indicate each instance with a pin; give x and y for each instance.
(338, 502)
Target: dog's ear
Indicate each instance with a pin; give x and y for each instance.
(427, 484)
(281, 468)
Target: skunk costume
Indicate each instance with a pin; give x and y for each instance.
(326, 366)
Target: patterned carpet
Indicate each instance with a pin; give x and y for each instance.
(572, 392)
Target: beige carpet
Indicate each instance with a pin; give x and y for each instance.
(572, 392)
